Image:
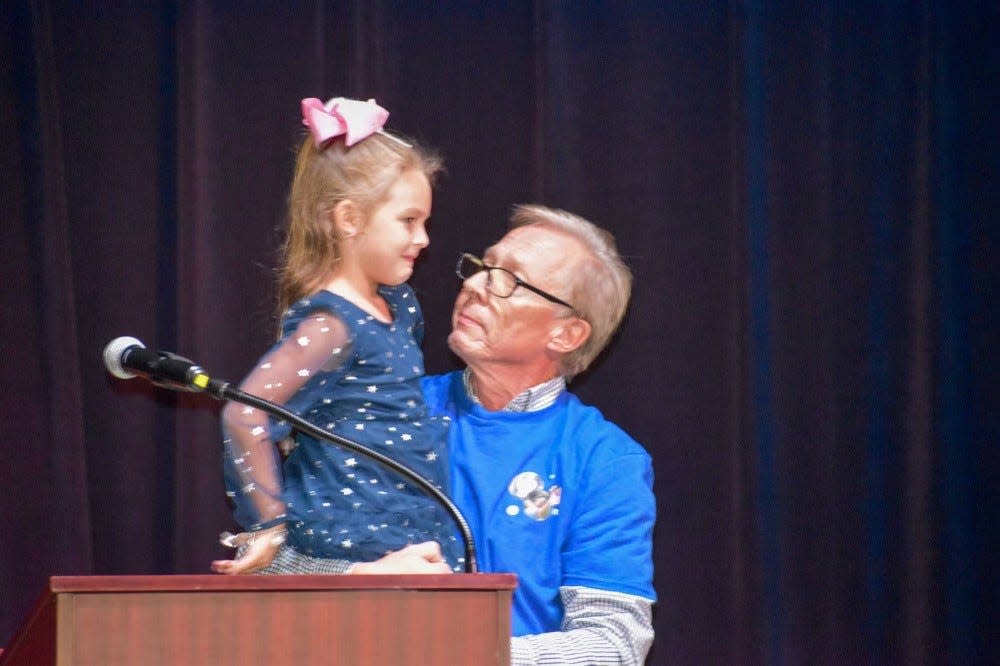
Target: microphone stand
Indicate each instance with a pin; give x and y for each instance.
(221, 390)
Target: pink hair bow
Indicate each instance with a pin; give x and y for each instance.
(352, 118)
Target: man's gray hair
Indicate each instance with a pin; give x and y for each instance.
(599, 286)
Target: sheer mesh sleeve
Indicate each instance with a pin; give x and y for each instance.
(320, 343)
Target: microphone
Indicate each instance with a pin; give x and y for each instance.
(126, 357)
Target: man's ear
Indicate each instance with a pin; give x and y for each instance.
(347, 218)
(569, 334)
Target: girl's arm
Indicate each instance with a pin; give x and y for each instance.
(319, 343)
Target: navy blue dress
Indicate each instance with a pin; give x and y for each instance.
(339, 504)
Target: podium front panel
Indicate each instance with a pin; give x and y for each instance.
(274, 620)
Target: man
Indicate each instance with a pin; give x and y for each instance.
(552, 491)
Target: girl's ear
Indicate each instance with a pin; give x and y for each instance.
(346, 218)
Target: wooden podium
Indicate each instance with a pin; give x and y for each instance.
(272, 620)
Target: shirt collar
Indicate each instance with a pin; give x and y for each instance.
(531, 399)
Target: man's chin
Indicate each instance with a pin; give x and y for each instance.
(453, 342)
(459, 344)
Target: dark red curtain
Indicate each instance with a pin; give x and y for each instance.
(804, 192)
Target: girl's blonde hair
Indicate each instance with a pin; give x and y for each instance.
(325, 176)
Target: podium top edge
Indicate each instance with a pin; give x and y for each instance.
(217, 582)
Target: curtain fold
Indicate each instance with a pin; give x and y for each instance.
(804, 192)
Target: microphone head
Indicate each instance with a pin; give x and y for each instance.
(114, 352)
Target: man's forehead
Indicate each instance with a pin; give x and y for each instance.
(531, 243)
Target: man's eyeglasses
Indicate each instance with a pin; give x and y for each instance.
(499, 281)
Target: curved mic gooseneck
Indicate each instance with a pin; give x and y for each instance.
(180, 373)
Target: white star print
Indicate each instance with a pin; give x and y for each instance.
(303, 341)
(346, 491)
(346, 543)
(304, 372)
(432, 456)
(372, 389)
(351, 462)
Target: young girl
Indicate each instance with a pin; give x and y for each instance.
(348, 360)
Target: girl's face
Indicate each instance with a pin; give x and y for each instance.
(396, 230)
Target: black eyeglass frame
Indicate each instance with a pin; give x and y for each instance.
(518, 282)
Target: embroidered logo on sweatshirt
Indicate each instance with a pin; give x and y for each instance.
(536, 502)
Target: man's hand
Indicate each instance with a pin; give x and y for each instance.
(261, 547)
(418, 558)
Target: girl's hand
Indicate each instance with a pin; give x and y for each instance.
(256, 550)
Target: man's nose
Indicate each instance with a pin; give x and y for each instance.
(477, 283)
